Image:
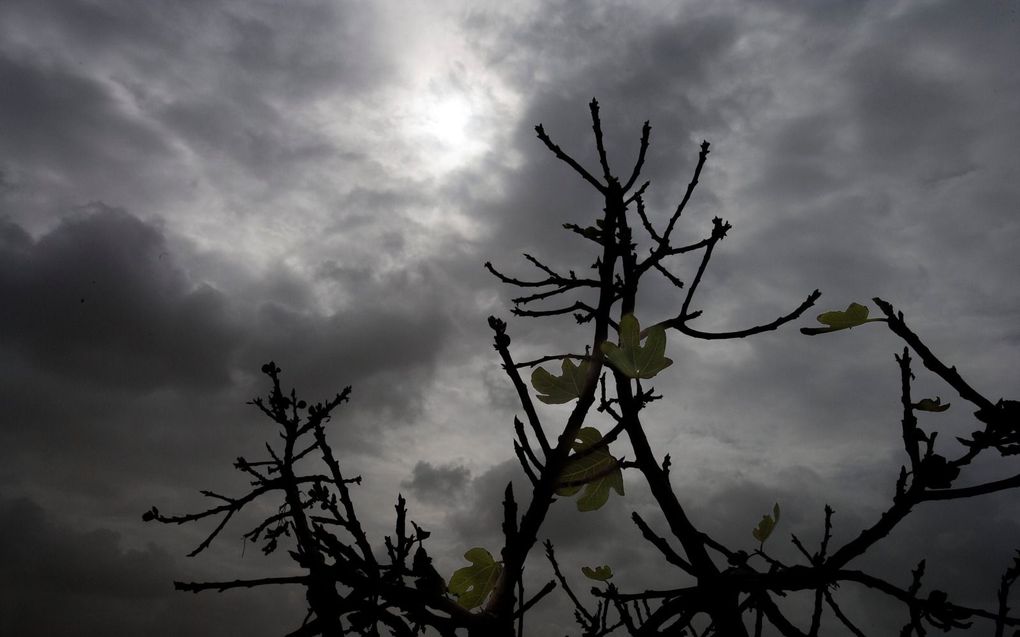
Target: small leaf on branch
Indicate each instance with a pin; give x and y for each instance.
(632, 359)
(855, 314)
(598, 472)
(472, 584)
(927, 404)
(556, 390)
(767, 524)
(599, 573)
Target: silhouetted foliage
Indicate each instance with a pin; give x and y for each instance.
(353, 589)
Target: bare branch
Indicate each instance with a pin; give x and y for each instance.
(596, 126)
(661, 544)
(552, 357)
(568, 159)
(502, 345)
(702, 156)
(948, 374)
(646, 131)
(195, 587)
(681, 324)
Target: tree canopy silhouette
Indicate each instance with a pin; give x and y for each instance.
(355, 587)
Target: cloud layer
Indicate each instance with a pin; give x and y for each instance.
(188, 190)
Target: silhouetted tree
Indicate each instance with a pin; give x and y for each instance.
(351, 587)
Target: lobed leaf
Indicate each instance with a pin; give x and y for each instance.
(632, 359)
(855, 314)
(472, 584)
(563, 388)
(597, 472)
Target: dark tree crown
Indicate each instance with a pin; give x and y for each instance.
(354, 587)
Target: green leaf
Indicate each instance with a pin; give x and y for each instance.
(563, 388)
(472, 584)
(927, 404)
(599, 573)
(632, 359)
(855, 314)
(767, 524)
(598, 472)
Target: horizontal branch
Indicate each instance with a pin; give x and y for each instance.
(576, 307)
(553, 357)
(969, 492)
(195, 587)
(665, 250)
(553, 279)
(680, 323)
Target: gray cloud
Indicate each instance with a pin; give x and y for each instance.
(58, 579)
(277, 183)
(438, 484)
(100, 300)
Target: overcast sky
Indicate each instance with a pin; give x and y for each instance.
(190, 189)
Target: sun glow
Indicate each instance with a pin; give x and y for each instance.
(448, 120)
(446, 129)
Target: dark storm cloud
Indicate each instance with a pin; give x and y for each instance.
(387, 354)
(90, 563)
(61, 580)
(108, 333)
(100, 299)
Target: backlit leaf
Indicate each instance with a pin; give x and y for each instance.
(472, 584)
(599, 573)
(767, 524)
(563, 388)
(855, 314)
(927, 404)
(597, 472)
(631, 358)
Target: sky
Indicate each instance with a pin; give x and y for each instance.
(190, 189)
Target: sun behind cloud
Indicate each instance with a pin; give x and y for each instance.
(446, 125)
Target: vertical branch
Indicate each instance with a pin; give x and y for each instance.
(646, 131)
(596, 126)
(909, 419)
(350, 515)
(702, 157)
